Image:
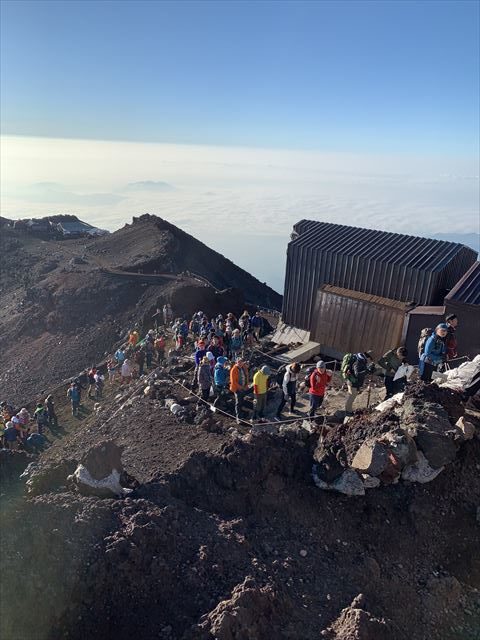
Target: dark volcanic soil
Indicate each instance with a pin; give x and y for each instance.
(62, 312)
(227, 537)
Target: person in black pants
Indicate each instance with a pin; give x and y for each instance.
(289, 387)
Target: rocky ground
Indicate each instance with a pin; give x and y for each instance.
(62, 311)
(225, 534)
(221, 531)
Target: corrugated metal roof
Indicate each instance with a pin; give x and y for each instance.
(401, 249)
(467, 289)
(367, 297)
(389, 265)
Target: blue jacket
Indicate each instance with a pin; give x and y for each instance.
(199, 355)
(256, 321)
(434, 350)
(220, 375)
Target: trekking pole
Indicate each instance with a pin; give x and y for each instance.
(369, 390)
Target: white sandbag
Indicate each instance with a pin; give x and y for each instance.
(391, 403)
(461, 377)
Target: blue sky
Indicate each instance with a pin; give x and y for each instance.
(366, 77)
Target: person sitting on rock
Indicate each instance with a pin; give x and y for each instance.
(391, 362)
(260, 390)
(435, 353)
(319, 380)
(205, 378)
(36, 442)
(50, 408)
(239, 385)
(73, 394)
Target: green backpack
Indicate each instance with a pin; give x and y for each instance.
(348, 360)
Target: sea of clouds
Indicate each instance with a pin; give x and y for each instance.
(240, 201)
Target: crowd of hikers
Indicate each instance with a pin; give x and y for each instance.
(221, 349)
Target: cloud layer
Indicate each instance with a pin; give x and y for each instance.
(242, 202)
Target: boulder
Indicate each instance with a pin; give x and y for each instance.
(465, 429)
(369, 482)
(107, 487)
(102, 459)
(329, 468)
(349, 483)
(371, 458)
(355, 623)
(438, 448)
(402, 446)
(420, 471)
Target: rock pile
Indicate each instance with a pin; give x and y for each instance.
(412, 440)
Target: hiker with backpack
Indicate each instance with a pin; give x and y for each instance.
(256, 322)
(434, 354)
(354, 371)
(220, 379)
(236, 344)
(287, 381)
(451, 340)
(424, 336)
(391, 362)
(318, 382)
(41, 417)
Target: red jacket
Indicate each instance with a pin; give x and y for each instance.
(319, 381)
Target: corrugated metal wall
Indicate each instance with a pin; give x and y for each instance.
(345, 321)
(394, 266)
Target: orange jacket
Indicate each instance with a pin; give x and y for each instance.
(234, 378)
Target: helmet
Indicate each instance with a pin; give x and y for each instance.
(266, 370)
(321, 364)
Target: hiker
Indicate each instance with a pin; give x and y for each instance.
(205, 378)
(239, 384)
(199, 354)
(99, 383)
(354, 370)
(167, 314)
(120, 355)
(111, 368)
(73, 394)
(50, 407)
(160, 348)
(289, 387)
(215, 347)
(24, 418)
(257, 325)
(11, 436)
(424, 336)
(236, 344)
(260, 389)
(79, 387)
(133, 338)
(140, 360)
(126, 370)
(451, 341)
(36, 442)
(91, 381)
(391, 362)
(149, 351)
(244, 322)
(41, 417)
(319, 380)
(220, 379)
(434, 354)
(211, 360)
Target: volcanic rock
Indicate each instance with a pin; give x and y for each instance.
(371, 458)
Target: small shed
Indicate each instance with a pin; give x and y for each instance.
(345, 321)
